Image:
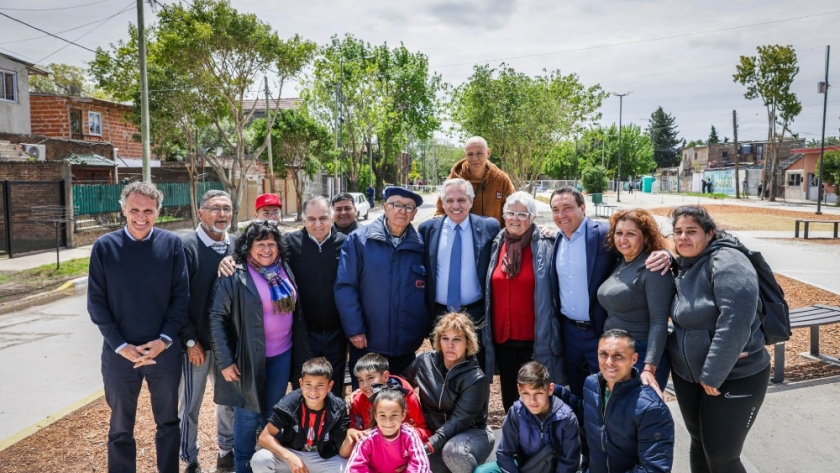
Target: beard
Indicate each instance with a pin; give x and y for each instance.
(214, 230)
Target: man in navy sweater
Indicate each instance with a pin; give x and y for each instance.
(138, 293)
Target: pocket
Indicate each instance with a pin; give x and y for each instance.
(418, 273)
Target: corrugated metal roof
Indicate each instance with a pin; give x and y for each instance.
(91, 159)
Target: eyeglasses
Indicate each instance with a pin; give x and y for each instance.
(398, 206)
(517, 215)
(217, 210)
(260, 221)
(274, 213)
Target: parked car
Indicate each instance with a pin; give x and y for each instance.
(362, 205)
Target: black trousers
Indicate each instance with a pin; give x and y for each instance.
(122, 389)
(396, 364)
(718, 425)
(510, 356)
(331, 345)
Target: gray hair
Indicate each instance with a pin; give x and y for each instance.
(317, 198)
(146, 189)
(212, 194)
(456, 181)
(476, 139)
(524, 198)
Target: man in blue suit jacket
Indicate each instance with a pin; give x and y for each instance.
(582, 262)
(477, 234)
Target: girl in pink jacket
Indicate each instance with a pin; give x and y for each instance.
(390, 445)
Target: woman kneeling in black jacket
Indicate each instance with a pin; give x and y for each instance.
(453, 393)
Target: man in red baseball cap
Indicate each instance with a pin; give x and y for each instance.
(268, 207)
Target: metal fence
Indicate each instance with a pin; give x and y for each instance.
(90, 199)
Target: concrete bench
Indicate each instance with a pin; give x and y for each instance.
(813, 317)
(604, 210)
(808, 222)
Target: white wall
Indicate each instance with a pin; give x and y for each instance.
(14, 116)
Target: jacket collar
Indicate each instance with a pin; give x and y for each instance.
(244, 276)
(376, 231)
(620, 388)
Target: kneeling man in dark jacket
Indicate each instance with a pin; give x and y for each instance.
(627, 425)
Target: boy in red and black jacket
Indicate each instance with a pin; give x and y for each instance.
(372, 372)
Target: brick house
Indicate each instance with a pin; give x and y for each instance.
(85, 119)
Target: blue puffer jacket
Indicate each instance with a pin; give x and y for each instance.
(638, 434)
(524, 434)
(380, 289)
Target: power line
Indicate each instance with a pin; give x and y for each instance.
(47, 32)
(128, 7)
(638, 41)
(54, 9)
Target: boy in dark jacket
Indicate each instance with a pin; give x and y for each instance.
(628, 427)
(307, 428)
(540, 431)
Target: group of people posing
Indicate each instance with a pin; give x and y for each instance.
(575, 323)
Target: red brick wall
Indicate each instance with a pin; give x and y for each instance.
(43, 171)
(51, 117)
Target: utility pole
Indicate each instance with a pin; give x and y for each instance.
(737, 154)
(268, 134)
(823, 87)
(144, 95)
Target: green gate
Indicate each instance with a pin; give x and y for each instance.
(104, 198)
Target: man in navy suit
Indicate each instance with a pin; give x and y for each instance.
(471, 236)
(582, 262)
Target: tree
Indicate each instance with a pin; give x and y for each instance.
(769, 77)
(663, 135)
(817, 142)
(373, 97)
(713, 137)
(831, 171)
(65, 79)
(522, 117)
(297, 143)
(213, 57)
(594, 179)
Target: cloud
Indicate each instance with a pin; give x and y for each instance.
(473, 14)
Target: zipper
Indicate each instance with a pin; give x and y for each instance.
(443, 385)
(604, 432)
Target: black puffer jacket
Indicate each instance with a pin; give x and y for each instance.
(237, 336)
(286, 417)
(452, 402)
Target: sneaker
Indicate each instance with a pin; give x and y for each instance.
(192, 468)
(225, 462)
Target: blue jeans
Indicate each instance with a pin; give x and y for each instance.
(663, 368)
(247, 423)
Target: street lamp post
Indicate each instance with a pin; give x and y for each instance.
(618, 171)
(824, 90)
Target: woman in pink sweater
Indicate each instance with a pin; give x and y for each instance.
(390, 445)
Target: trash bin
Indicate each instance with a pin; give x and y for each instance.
(597, 198)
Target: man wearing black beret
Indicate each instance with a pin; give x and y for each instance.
(380, 286)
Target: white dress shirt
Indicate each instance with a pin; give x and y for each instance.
(470, 285)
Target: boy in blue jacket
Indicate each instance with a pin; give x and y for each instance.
(540, 432)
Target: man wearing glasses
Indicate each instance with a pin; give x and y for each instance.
(457, 256)
(380, 285)
(204, 249)
(268, 207)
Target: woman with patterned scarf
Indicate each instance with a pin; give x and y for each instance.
(518, 300)
(257, 334)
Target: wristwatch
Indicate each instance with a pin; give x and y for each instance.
(166, 342)
(190, 343)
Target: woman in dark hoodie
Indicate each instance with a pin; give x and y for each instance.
(720, 367)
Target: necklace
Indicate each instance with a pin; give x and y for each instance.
(625, 264)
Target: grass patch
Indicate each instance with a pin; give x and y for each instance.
(713, 196)
(18, 284)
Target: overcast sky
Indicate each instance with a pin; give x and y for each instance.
(677, 54)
